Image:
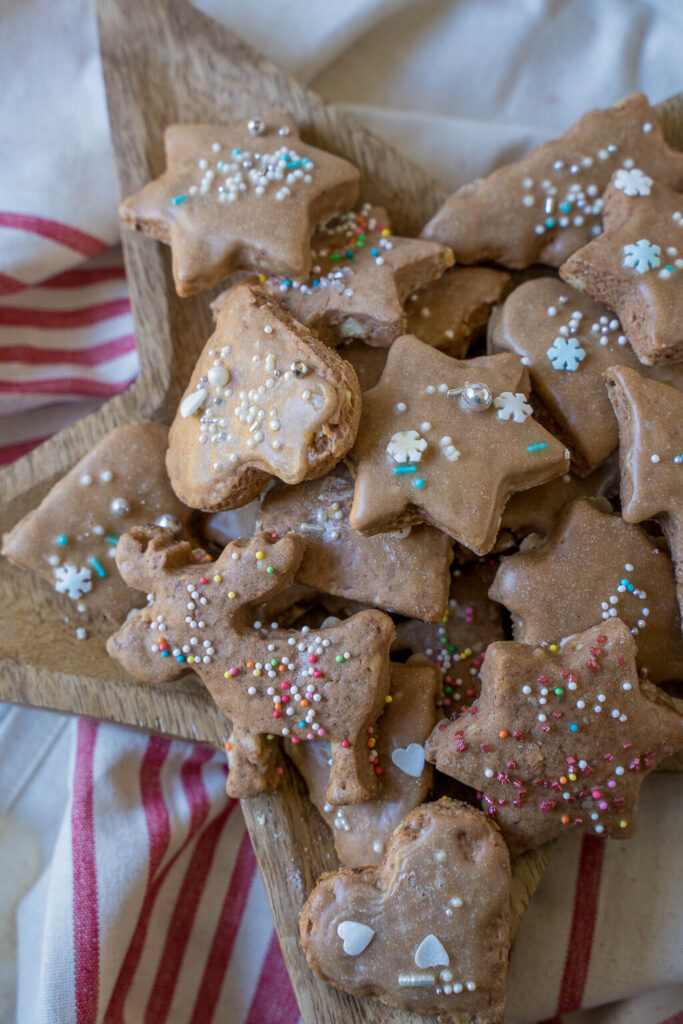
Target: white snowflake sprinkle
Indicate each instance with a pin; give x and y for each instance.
(641, 256)
(511, 406)
(566, 354)
(406, 446)
(72, 581)
(632, 182)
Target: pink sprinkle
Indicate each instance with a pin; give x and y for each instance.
(276, 714)
(611, 784)
(345, 743)
(317, 673)
(232, 671)
(203, 579)
(321, 732)
(371, 729)
(295, 739)
(603, 805)
(596, 794)
(312, 658)
(279, 770)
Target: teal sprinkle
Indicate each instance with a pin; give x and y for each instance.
(419, 483)
(408, 467)
(302, 725)
(671, 269)
(98, 568)
(178, 199)
(236, 152)
(62, 540)
(550, 222)
(573, 727)
(539, 446)
(164, 654)
(111, 539)
(180, 657)
(565, 207)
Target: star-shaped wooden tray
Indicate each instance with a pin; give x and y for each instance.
(163, 63)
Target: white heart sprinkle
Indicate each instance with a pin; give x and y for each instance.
(192, 403)
(430, 953)
(355, 936)
(410, 759)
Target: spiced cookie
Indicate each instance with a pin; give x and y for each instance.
(396, 742)
(542, 208)
(70, 539)
(591, 567)
(405, 572)
(453, 311)
(567, 341)
(302, 686)
(650, 418)
(447, 441)
(426, 930)
(563, 737)
(266, 399)
(636, 266)
(242, 196)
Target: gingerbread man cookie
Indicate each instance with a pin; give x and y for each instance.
(242, 196)
(591, 567)
(70, 539)
(562, 738)
(447, 441)
(302, 686)
(360, 277)
(397, 742)
(427, 930)
(650, 418)
(405, 572)
(452, 312)
(636, 266)
(542, 208)
(266, 399)
(567, 341)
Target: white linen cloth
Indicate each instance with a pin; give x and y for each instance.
(128, 887)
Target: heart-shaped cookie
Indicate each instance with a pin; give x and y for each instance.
(427, 929)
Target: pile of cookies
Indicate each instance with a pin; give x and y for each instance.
(417, 523)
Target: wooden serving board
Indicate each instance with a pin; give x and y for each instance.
(165, 62)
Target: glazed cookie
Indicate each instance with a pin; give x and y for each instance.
(447, 441)
(301, 686)
(472, 622)
(404, 572)
(453, 312)
(242, 196)
(535, 510)
(650, 418)
(567, 341)
(428, 929)
(636, 266)
(544, 207)
(360, 277)
(593, 566)
(266, 399)
(562, 739)
(362, 830)
(70, 538)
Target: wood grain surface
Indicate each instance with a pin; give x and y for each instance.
(165, 62)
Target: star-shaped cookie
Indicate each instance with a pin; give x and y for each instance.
(592, 567)
(397, 744)
(405, 572)
(360, 277)
(452, 312)
(543, 207)
(567, 340)
(242, 196)
(266, 399)
(447, 441)
(562, 738)
(636, 266)
(535, 510)
(650, 416)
